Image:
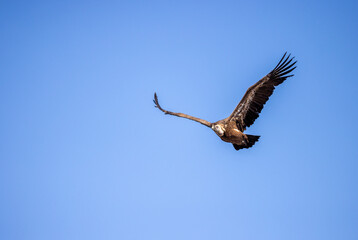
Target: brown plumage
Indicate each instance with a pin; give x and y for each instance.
(231, 128)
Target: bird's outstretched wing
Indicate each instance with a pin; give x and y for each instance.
(202, 121)
(257, 95)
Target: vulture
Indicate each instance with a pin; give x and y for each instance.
(231, 129)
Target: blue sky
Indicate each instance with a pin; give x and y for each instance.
(85, 155)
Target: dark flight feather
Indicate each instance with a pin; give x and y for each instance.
(247, 111)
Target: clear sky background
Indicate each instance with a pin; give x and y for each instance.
(85, 155)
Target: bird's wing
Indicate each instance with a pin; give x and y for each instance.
(202, 121)
(257, 95)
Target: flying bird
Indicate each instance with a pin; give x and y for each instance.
(247, 111)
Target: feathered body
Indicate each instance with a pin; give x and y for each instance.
(247, 111)
(230, 133)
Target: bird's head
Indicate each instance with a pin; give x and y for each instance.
(218, 129)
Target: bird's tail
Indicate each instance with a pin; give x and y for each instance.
(251, 140)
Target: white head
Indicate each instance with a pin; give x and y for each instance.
(218, 129)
